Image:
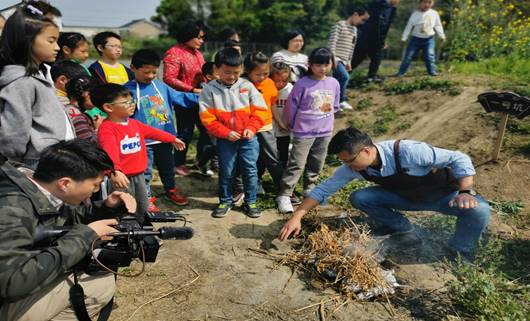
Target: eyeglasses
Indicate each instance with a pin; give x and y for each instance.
(201, 37)
(350, 161)
(126, 102)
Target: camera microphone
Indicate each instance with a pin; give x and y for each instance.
(165, 233)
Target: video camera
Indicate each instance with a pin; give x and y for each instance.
(132, 241)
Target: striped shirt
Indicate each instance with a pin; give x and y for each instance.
(296, 60)
(342, 40)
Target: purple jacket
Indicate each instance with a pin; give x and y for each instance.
(311, 106)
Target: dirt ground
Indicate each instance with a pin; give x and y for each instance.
(217, 276)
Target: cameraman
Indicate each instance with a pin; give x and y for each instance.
(35, 280)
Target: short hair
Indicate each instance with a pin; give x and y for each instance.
(102, 37)
(67, 68)
(290, 34)
(253, 60)
(107, 93)
(20, 30)
(227, 33)
(359, 10)
(280, 67)
(207, 68)
(190, 30)
(231, 43)
(77, 159)
(145, 57)
(77, 86)
(350, 140)
(71, 40)
(229, 57)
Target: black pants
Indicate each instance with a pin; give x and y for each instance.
(187, 119)
(282, 144)
(374, 52)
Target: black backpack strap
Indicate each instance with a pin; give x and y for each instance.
(77, 298)
(396, 156)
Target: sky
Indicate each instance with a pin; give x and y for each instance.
(100, 13)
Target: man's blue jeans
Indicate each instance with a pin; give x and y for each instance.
(383, 205)
(242, 153)
(343, 77)
(426, 45)
(160, 155)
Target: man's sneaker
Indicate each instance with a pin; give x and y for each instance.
(182, 170)
(174, 196)
(238, 199)
(252, 210)
(345, 105)
(284, 204)
(205, 170)
(221, 210)
(152, 207)
(295, 200)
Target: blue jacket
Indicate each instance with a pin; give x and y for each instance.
(155, 108)
(373, 33)
(97, 71)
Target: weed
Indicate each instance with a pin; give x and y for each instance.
(510, 208)
(403, 87)
(364, 103)
(342, 197)
(484, 292)
(357, 123)
(403, 126)
(519, 126)
(385, 116)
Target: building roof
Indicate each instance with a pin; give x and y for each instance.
(135, 21)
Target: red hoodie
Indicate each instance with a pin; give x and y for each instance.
(125, 144)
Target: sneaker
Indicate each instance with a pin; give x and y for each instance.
(345, 105)
(205, 170)
(295, 200)
(152, 207)
(177, 198)
(252, 210)
(182, 170)
(238, 199)
(284, 204)
(221, 210)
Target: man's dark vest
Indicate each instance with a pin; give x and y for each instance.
(435, 185)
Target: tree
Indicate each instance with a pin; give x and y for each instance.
(172, 14)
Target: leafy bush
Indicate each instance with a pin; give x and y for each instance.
(364, 103)
(385, 116)
(404, 87)
(487, 28)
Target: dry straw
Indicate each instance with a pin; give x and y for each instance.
(347, 254)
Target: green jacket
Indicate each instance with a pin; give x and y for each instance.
(25, 268)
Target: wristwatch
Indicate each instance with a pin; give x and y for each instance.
(468, 191)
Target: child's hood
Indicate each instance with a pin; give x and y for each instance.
(11, 73)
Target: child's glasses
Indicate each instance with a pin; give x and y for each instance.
(126, 102)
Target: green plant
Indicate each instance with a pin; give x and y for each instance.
(342, 197)
(406, 87)
(511, 208)
(385, 116)
(482, 291)
(364, 103)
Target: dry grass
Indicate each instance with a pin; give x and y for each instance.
(348, 253)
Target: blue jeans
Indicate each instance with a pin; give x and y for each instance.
(343, 77)
(242, 153)
(382, 205)
(416, 44)
(160, 155)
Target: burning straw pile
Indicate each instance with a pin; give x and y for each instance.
(348, 258)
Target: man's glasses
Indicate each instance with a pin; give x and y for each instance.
(350, 161)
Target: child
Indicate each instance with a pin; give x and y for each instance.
(78, 91)
(61, 74)
(233, 110)
(257, 69)
(124, 140)
(154, 107)
(108, 69)
(74, 47)
(309, 114)
(423, 23)
(31, 117)
(280, 75)
(341, 43)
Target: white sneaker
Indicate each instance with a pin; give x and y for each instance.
(284, 204)
(345, 105)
